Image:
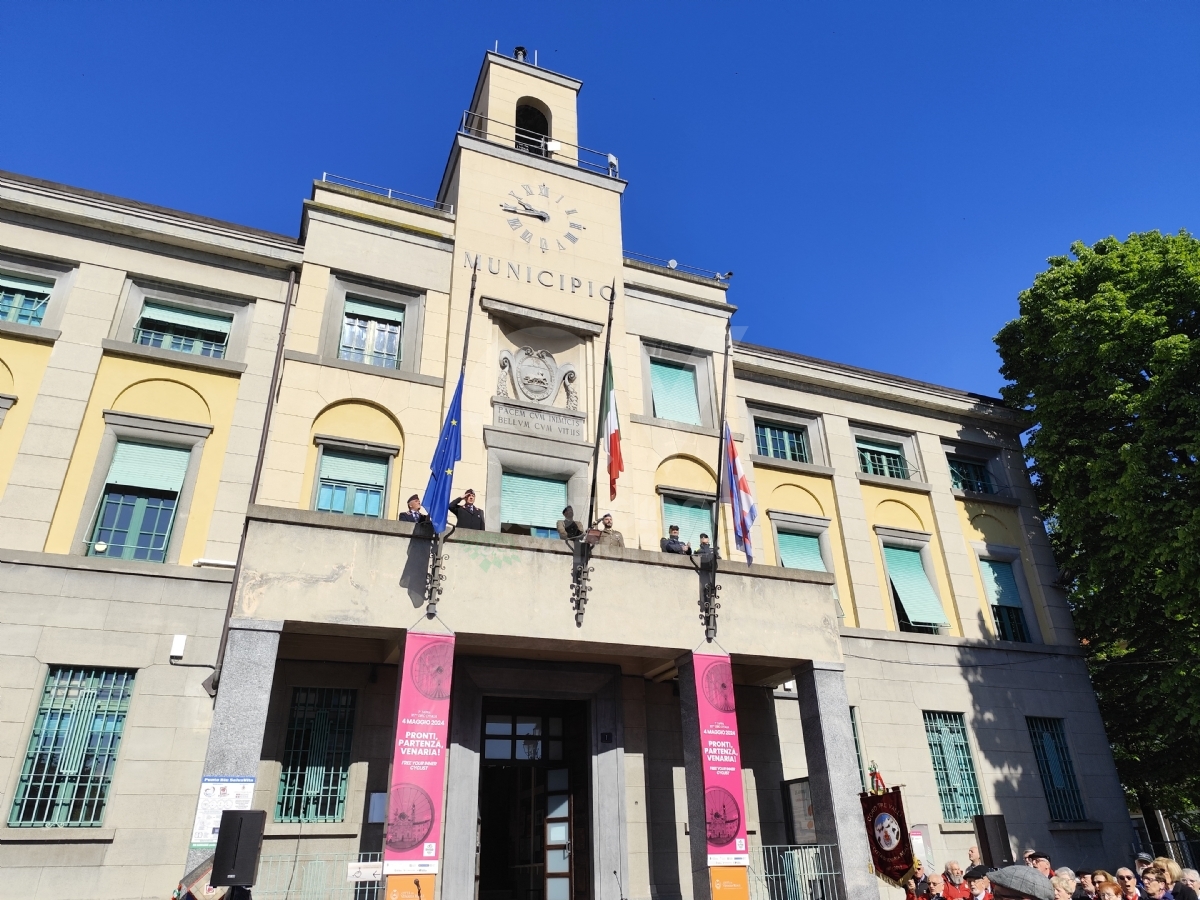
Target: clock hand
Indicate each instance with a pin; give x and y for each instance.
(528, 211)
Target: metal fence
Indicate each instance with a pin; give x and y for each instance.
(312, 877)
(390, 193)
(796, 872)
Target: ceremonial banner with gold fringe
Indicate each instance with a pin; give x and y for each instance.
(887, 833)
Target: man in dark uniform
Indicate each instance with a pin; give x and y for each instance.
(466, 513)
(413, 513)
(673, 544)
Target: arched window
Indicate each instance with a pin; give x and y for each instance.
(533, 126)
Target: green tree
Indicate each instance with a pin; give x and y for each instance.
(1105, 360)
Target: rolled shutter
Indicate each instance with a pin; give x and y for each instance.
(148, 466)
(692, 517)
(375, 311)
(8, 284)
(673, 388)
(801, 551)
(354, 468)
(189, 318)
(529, 500)
(1000, 582)
(912, 584)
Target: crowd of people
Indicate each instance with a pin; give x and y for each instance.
(1150, 878)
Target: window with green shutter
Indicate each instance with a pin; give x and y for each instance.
(183, 330)
(1058, 774)
(917, 605)
(800, 551)
(875, 458)
(530, 504)
(1005, 599)
(953, 768)
(372, 333)
(779, 442)
(316, 756)
(673, 389)
(352, 484)
(141, 494)
(68, 767)
(23, 300)
(693, 516)
(971, 475)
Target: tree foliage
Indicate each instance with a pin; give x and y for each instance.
(1105, 359)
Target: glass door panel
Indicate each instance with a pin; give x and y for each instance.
(558, 835)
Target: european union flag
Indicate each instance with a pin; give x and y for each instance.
(441, 470)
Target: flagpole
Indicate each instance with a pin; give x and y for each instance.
(721, 448)
(470, 310)
(612, 299)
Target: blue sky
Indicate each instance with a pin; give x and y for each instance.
(883, 178)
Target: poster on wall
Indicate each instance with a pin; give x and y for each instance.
(887, 835)
(798, 801)
(724, 800)
(217, 794)
(414, 818)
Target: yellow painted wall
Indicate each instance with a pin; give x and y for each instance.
(992, 523)
(913, 511)
(150, 389)
(356, 420)
(810, 495)
(22, 364)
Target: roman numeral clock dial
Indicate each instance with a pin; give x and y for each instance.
(542, 218)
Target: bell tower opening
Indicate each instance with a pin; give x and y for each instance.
(533, 126)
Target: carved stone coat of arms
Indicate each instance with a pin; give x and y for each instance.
(536, 377)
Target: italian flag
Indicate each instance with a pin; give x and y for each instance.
(612, 430)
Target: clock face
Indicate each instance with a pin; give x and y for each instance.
(542, 218)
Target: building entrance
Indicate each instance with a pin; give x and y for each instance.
(534, 804)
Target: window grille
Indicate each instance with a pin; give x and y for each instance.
(183, 330)
(316, 756)
(782, 443)
(958, 790)
(882, 459)
(371, 333)
(23, 302)
(1058, 774)
(673, 390)
(971, 475)
(68, 768)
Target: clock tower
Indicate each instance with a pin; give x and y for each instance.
(539, 218)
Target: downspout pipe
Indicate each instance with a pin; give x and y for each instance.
(213, 681)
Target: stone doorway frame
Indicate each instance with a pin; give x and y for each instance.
(600, 685)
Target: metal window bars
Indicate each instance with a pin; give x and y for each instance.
(953, 769)
(68, 767)
(875, 460)
(675, 265)
(794, 872)
(1058, 773)
(390, 193)
(968, 475)
(183, 340)
(316, 757)
(476, 125)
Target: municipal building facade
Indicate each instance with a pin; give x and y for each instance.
(207, 433)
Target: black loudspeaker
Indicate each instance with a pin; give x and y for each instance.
(992, 836)
(239, 843)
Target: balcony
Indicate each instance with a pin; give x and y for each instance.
(505, 593)
(479, 126)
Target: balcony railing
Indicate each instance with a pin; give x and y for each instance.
(315, 877)
(390, 193)
(479, 126)
(677, 266)
(794, 872)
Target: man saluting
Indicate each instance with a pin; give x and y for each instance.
(466, 513)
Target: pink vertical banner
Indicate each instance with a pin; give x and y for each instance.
(724, 800)
(414, 820)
